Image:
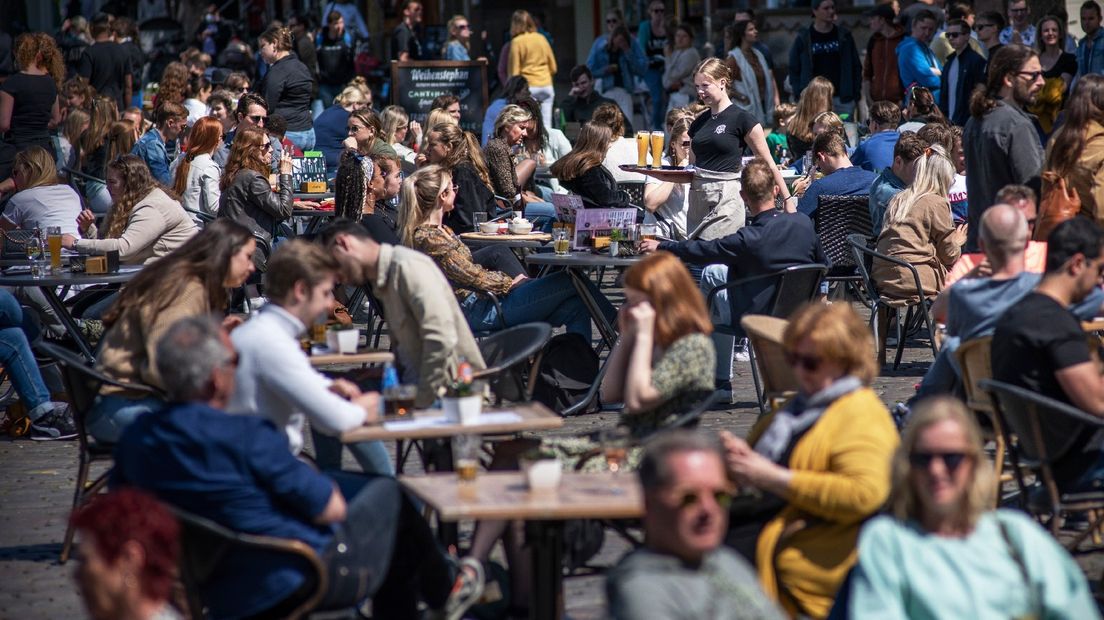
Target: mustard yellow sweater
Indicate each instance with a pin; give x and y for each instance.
(840, 477)
(531, 57)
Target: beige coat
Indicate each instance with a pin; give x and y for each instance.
(924, 238)
(426, 325)
(1087, 177)
(157, 226)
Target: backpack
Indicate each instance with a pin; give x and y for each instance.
(568, 368)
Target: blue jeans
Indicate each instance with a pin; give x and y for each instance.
(16, 357)
(551, 299)
(720, 313)
(372, 456)
(654, 79)
(110, 415)
(545, 211)
(302, 139)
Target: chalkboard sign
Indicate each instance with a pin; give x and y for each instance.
(415, 84)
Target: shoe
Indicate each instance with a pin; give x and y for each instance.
(54, 426)
(467, 589)
(740, 353)
(900, 413)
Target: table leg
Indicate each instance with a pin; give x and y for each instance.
(546, 540)
(609, 334)
(67, 321)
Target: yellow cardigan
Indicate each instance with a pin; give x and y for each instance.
(840, 477)
(531, 57)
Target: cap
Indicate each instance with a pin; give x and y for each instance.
(885, 11)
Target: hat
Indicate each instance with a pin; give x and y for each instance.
(885, 11)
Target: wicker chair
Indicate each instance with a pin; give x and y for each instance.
(836, 218)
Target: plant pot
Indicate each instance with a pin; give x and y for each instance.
(343, 341)
(615, 248)
(464, 410)
(544, 475)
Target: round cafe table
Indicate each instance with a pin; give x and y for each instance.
(49, 283)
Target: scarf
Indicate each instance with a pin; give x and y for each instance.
(799, 415)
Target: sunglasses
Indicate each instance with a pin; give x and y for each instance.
(257, 118)
(980, 26)
(463, 27)
(356, 128)
(1030, 75)
(808, 363)
(923, 460)
(955, 35)
(689, 499)
(685, 143)
(613, 21)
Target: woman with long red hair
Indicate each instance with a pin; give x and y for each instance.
(195, 173)
(247, 198)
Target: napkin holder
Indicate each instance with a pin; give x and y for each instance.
(113, 261)
(95, 265)
(313, 187)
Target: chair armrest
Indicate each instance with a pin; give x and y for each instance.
(79, 174)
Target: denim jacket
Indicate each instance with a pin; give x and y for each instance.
(151, 148)
(1091, 62)
(633, 63)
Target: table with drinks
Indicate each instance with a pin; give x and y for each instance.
(515, 495)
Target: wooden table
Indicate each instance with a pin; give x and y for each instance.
(528, 241)
(534, 417)
(576, 264)
(504, 495)
(1095, 325)
(363, 356)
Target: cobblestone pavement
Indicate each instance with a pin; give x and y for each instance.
(37, 480)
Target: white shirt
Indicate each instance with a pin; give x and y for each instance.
(952, 86)
(275, 379)
(196, 110)
(622, 151)
(45, 205)
(673, 211)
(201, 193)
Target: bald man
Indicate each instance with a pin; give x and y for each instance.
(971, 307)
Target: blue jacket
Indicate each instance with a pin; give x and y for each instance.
(853, 181)
(633, 63)
(914, 63)
(1094, 62)
(876, 152)
(151, 148)
(971, 72)
(801, 65)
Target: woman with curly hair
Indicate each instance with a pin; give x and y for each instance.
(145, 222)
(247, 198)
(29, 99)
(173, 85)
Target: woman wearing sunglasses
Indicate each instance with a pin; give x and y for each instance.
(810, 473)
(247, 198)
(668, 202)
(943, 552)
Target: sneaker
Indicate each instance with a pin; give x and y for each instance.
(467, 589)
(56, 425)
(740, 351)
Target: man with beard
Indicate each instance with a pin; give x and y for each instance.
(1001, 141)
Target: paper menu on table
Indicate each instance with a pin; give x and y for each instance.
(590, 223)
(433, 421)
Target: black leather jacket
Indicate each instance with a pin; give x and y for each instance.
(250, 201)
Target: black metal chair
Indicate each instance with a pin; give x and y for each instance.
(917, 314)
(794, 287)
(835, 219)
(82, 384)
(511, 356)
(1045, 430)
(204, 544)
(633, 191)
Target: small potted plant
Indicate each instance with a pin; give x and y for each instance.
(342, 338)
(616, 237)
(542, 468)
(462, 400)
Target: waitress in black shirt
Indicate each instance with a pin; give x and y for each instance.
(718, 139)
(29, 99)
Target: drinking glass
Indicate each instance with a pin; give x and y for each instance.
(648, 231)
(478, 218)
(615, 447)
(657, 149)
(53, 241)
(642, 138)
(465, 457)
(561, 242)
(399, 400)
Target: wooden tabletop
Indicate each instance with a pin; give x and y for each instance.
(534, 417)
(1095, 325)
(363, 356)
(505, 495)
(533, 236)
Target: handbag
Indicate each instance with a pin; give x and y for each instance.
(15, 243)
(1060, 203)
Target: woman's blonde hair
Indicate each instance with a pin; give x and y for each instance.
(838, 335)
(76, 123)
(451, 29)
(610, 115)
(350, 94)
(816, 98)
(509, 115)
(104, 112)
(418, 199)
(904, 502)
(393, 118)
(590, 151)
(934, 175)
(833, 122)
(36, 166)
(680, 127)
(120, 138)
(715, 69)
(521, 22)
(463, 147)
(437, 116)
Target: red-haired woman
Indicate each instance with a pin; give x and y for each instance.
(29, 99)
(128, 552)
(247, 198)
(195, 173)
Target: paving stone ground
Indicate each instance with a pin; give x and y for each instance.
(37, 481)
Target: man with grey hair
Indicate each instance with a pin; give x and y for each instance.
(972, 306)
(683, 570)
(237, 471)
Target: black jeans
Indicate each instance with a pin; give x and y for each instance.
(498, 258)
(384, 549)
